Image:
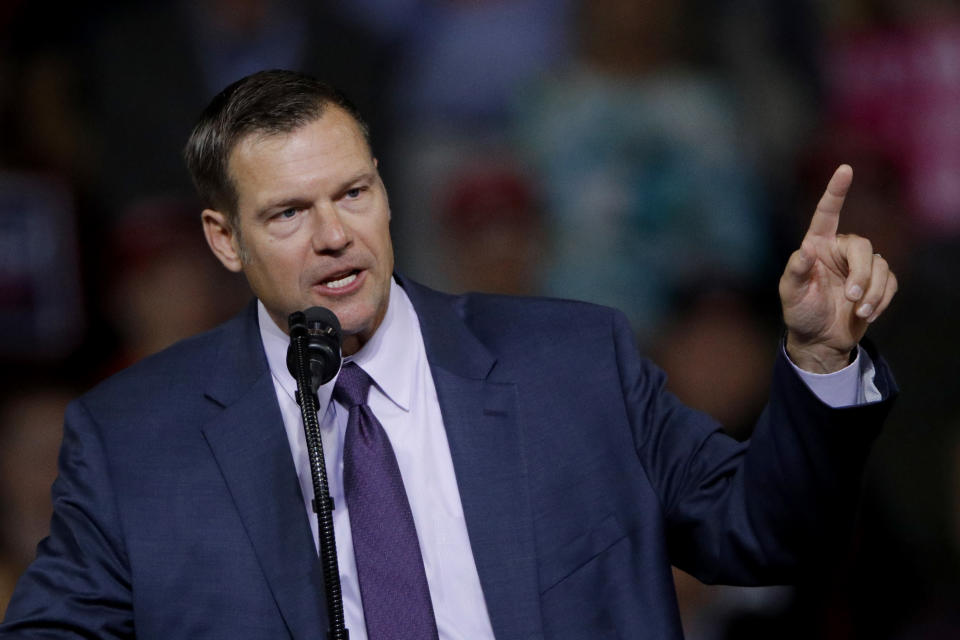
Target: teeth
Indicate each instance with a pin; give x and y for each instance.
(342, 282)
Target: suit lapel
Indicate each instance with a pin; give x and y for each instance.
(486, 444)
(251, 449)
(480, 415)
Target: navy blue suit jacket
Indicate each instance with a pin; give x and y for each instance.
(178, 513)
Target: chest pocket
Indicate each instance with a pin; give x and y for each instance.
(579, 552)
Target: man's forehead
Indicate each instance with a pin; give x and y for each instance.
(268, 136)
(261, 158)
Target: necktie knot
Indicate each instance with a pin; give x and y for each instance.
(352, 387)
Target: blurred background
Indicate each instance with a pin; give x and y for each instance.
(661, 156)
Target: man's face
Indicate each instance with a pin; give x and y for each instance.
(313, 222)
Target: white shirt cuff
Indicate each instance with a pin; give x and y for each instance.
(853, 385)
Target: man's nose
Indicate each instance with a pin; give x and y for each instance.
(330, 233)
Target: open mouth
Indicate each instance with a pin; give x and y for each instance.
(345, 281)
(340, 281)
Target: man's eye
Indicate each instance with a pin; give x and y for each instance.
(353, 193)
(287, 213)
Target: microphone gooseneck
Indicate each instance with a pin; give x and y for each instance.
(313, 359)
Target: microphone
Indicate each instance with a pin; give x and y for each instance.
(321, 330)
(313, 359)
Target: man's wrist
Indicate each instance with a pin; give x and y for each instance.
(817, 358)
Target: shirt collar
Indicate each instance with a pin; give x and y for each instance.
(390, 357)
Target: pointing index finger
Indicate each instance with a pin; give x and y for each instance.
(826, 218)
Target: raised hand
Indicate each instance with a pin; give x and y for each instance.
(833, 286)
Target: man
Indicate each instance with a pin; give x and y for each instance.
(551, 479)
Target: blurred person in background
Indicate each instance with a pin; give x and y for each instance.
(717, 321)
(47, 222)
(638, 156)
(166, 286)
(491, 230)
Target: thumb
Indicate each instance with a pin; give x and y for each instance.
(800, 264)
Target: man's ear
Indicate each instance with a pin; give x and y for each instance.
(222, 239)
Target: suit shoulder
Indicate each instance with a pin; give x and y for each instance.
(541, 325)
(541, 314)
(505, 312)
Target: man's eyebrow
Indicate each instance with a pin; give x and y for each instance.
(363, 176)
(282, 203)
(295, 201)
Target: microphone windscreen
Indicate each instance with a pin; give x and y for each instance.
(323, 334)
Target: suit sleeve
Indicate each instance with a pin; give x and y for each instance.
(79, 585)
(754, 512)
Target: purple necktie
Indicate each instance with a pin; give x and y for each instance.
(393, 585)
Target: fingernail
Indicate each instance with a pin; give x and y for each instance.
(865, 310)
(854, 292)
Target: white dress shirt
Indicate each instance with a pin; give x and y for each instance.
(404, 400)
